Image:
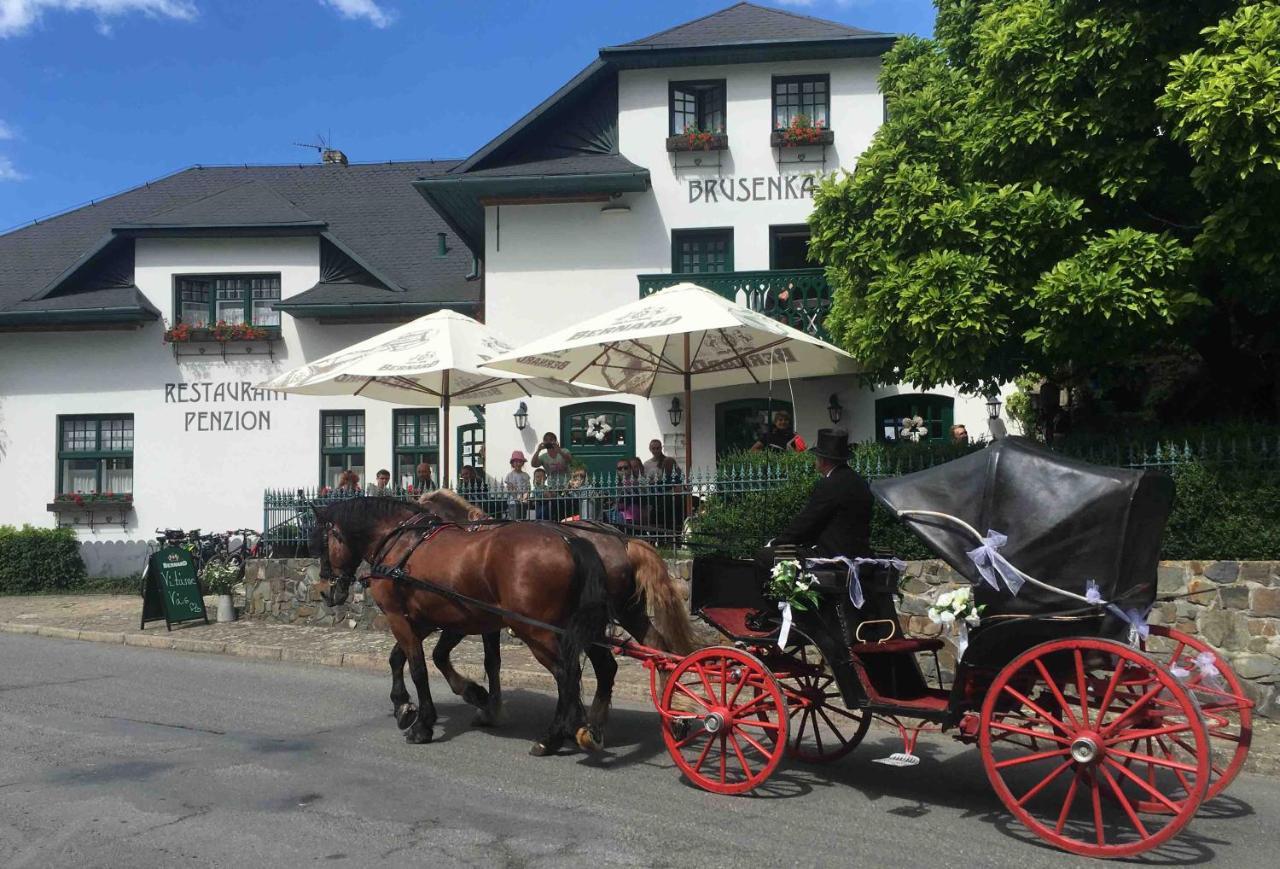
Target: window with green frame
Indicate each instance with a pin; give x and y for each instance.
(808, 95)
(341, 445)
(697, 105)
(417, 440)
(202, 300)
(702, 251)
(937, 411)
(471, 446)
(95, 454)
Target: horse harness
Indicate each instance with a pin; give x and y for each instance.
(427, 530)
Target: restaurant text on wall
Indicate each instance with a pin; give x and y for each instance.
(209, 392)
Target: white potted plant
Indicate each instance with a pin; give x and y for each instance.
(220, 578)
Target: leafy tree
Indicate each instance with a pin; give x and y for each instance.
(1067, 187)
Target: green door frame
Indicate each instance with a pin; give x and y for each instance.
(936, 410)
(724, 408)
(598, 460)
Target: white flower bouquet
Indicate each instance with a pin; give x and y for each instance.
(954, 606)
(790, 583)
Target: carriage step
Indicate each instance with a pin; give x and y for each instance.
(898, 758)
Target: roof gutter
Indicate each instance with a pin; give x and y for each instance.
(77, 315)
(640, 56)
(330, 309)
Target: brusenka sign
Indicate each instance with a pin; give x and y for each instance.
(170, 589)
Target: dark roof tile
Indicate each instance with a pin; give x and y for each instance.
(745, 23)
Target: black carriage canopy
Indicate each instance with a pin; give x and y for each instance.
(1067, 522)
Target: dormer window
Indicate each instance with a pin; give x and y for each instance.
(204, 300)
(806, 98)
(697, 106)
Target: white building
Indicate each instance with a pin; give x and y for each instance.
(587, 201)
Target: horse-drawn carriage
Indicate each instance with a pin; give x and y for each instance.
(1100, 733)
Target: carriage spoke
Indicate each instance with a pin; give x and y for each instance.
(1032, 705)
(1031, 758)
(680, 686)
(1124, 803)
(1044, 783)
(711, 692)
(834, 729)
(1138, 704)
(751, 742)
(1152, 760)
(1057, 694)
(1180, 769)
(1134, 736)
(706, 749)
(817, 731)
(1066, 803)
(763, 725)
(1097, 806)
(742, 759)
(1105, 706)
(1137, 779)
(692, 736)
(1035, 734)
(742, 683)
(1080, 687)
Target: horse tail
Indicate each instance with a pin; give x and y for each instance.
(590, 615)
(658, 589)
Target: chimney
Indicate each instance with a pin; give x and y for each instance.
(333, 155)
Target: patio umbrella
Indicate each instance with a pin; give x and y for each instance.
(434, 361)
(661, 344)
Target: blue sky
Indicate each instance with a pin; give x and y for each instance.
(100, 95)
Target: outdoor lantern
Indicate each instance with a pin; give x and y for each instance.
(834, 410)
(675, 411)
(993, 406)
(522, 416)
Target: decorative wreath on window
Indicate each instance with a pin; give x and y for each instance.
(598, 428)
(913, 429)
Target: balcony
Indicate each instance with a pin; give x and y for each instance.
(798, 297)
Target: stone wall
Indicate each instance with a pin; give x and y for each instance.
(1234, 606)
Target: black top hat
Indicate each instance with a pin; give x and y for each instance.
(833, 443)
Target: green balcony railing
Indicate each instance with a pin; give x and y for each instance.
(798, 297)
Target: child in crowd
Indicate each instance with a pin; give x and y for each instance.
(517, 486)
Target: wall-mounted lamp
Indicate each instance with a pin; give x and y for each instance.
(675, 412)
(522, 416)
(834, 410)
(993, 406)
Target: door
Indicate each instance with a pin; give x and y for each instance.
(937, 411)
(598, 433)
(740, 423)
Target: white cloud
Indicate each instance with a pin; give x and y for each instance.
(6, 132)
(8, 172)
(356, 9)
(19, 16)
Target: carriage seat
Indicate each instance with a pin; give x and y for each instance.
(896, 645)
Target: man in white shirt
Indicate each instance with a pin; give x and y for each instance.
(653, 466)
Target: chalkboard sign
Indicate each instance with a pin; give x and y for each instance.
(171, 590)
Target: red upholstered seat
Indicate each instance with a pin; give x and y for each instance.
(732, 621)
(898, 644)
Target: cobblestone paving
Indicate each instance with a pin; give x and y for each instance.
(114, 619)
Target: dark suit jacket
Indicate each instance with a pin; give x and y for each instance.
(837, 518)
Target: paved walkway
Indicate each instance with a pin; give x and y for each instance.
(114, 619)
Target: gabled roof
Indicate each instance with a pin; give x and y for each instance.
(370, 211)
(252, 203)
(744, 23)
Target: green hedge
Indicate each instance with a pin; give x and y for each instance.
(39, 559)
(1223, 510)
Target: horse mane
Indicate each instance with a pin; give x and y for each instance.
(461, 509)
(359, 517)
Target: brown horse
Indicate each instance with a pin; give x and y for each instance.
(642, 595)
(555, 581)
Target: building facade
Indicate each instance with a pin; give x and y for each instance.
(133, 331)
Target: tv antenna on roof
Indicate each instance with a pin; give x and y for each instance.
(328, 154)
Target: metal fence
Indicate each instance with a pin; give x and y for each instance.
(659, 510)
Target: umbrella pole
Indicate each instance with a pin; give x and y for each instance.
(688, 430)
(444, 431)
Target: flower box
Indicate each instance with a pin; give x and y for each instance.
(803, 138)
(698, 142)
(222, 334)
(90, 504)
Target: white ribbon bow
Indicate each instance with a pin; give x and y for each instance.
(785, 607)
(992, 566)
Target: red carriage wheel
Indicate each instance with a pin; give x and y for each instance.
(1088, 706)
(1228, 713)
(724, 720)
(822, 730)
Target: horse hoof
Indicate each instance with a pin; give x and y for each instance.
(418, 735)
(476, 696)
(405, 714)
(545, 748)
(588, 740)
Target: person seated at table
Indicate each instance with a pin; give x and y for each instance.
(781, 437)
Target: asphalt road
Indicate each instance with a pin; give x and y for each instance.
(123, 757)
